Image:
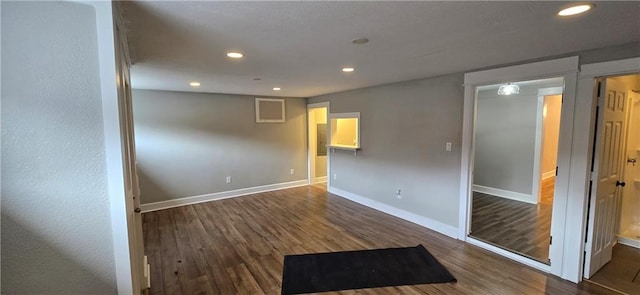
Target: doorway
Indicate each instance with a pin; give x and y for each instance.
(613, 232)
(516, 147)
(318, 139)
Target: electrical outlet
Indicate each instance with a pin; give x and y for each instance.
(228, 179)
(448, 147)
(292, 171)
(335, 176)
(399, 194)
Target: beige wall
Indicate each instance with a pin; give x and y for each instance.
(550, 133)
(344, 131)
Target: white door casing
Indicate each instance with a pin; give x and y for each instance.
(132, 190)
(311, 142)
(608, 167)
(564, 67)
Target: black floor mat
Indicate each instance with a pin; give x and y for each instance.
(323, 272)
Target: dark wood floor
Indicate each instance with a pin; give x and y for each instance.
(516, 226)
(237, 246)
(622, 272)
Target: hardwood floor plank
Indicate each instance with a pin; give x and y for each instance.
(237, 246)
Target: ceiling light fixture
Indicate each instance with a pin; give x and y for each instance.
(257, 79)
(276, 88)
(235, 54)
(508, 89)
(348, 70)
(195, 84)
(573, 10)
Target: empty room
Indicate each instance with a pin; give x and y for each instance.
(436, 147)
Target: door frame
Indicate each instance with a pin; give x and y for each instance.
(564, 67)
(128, 277)
(539, 142)
(311, 161)
(582, 154)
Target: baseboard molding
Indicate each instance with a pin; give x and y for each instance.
(628, 241)
(321, 179)
(220, 195)
(442, 228)
(548, 174)
(505, 194)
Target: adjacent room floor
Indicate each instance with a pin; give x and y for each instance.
(622, 272)
(517, 226)
(237, 246)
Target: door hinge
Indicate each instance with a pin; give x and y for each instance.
(551, 240)
(599, 86)
(556, 170)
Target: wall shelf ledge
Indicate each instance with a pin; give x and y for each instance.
(334, 147)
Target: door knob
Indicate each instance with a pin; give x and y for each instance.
(137, 210)
(620, 183)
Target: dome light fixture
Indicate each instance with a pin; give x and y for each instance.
(234, 54)
(348, 70)
(195, 84)
(577, 9)
(508, 89)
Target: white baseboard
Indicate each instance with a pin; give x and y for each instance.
(548, 174)
(442, 228)
(508, 254)
(220, 195)
(505, 194)
(629, 241)
(321, 179)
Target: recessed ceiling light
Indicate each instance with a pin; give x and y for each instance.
(257, 79)
(360, 41)
(195, 84)
(348, 70)
(276, 88)
(234, 54)
(573, 10)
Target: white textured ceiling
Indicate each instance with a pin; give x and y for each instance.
(301, 46)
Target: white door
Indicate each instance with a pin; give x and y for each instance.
(606, 178)
(140, 277)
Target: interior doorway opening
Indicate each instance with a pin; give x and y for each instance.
(318, 140)
(515, 160)
(613, 229)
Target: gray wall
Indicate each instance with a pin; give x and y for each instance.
(505, 138)
(55, 208)
(403, 131)
(188, 143)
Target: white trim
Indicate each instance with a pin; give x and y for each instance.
(119, 205)
(539, 141)
(321, 179)
(550, 91)
(467, 158)
(609, 68)
(538, 147)
(220, 195)
(548, 174)
(581, 152)
(516, 196)
(513, 256)
(530, 71)
(282, 105)
(565, 67)
(629, 241)
(311, 159)
(440, 227)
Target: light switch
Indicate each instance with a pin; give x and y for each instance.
(448, 146)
